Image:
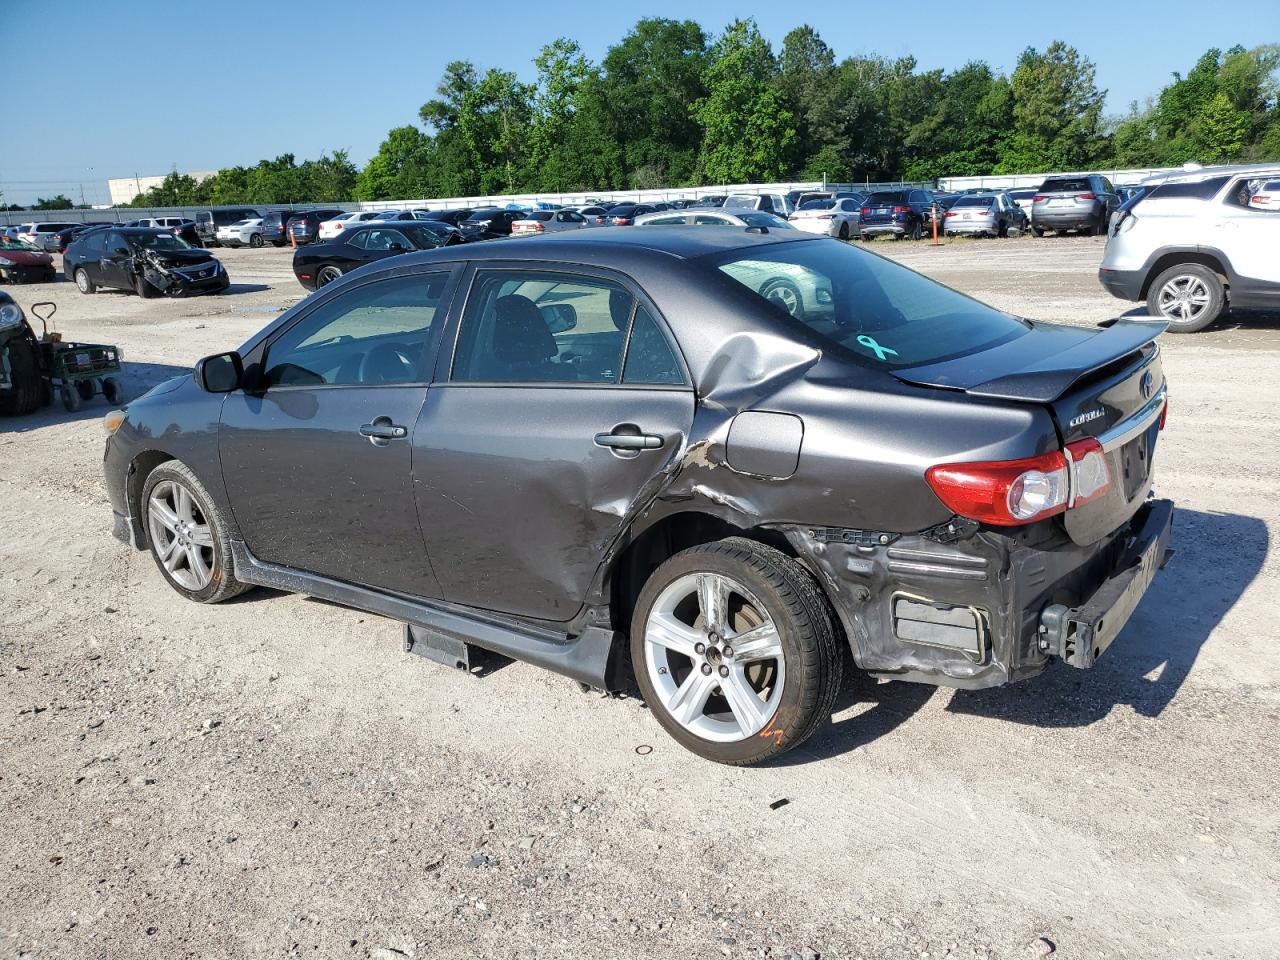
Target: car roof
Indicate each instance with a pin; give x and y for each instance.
(1208, 173)
(621, 246)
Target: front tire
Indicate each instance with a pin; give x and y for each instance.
(1189, 295)
(83, 283)
(736, 651)
(187, 536)
(143, 288)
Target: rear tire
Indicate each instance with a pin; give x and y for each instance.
(775, 690)
(187, 535)
(844, 231)
(1189, 295)
(326, 275)
(1038, 231)
(255, 241)
(28, 385)
(83, 283)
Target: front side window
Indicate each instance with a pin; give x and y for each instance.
(869, 307)
(376, 333)
(526, 326)
(386, 240)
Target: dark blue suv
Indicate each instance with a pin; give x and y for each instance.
(903, 213)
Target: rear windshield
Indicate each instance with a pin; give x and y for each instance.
(817, 205)
(887, 196)
(867, 306)
(974, 202)
(741, 203)
(624, 210)
(759, 218)
(1066, 186)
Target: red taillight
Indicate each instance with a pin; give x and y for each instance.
(1164, 414)
(1038, 197)
(1259, 198)
(304, 276)
(539, 227)
(1090, 475)
(1086, 196)
(901, 209)
(865, 210)
(1003, 492)
(948, 214)
(599, 221)
(621, 222)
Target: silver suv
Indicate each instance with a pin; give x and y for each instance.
(1073, 202)
(1190, 244)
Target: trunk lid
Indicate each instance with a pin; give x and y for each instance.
(1107, 384)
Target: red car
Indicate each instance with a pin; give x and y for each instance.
(20, 262)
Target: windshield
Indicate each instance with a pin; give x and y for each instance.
(423, 236)
(869, 307)
(756, 218)
(157, 241)
(974, 202)
(7, 243)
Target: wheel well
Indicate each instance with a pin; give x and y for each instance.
(632, 568)
(139, 470)
(1174, 259)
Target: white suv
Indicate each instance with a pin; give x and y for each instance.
(1191, 243)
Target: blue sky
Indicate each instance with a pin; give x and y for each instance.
(110, 89)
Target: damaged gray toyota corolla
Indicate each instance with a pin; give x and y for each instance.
(702, 456)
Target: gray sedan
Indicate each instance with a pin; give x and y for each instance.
(616, 456)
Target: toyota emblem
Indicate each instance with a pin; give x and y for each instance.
(1146, 384)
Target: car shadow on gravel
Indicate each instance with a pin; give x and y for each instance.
(1217, 556)
(135, 380)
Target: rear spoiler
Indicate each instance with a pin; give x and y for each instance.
(1041, 365)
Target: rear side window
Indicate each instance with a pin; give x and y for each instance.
(669, 221)
(375, 333)
(1195, 190)
(538, 327)
(872, 309)
(650, 358)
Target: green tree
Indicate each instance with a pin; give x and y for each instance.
(1221, 130)
(400, 168)
(749, 134)
(59, 202)
(556, 160)
(650, 82)
(1057, 111)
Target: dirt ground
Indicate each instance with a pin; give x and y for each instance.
(274, 777)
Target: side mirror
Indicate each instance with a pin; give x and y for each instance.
(220, 373)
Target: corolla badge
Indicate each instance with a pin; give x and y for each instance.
(1085, 417)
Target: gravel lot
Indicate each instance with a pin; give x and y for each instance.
(273, 777)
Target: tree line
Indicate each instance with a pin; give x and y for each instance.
(669, 105)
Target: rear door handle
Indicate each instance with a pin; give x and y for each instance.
(629, 441)
(382, 430)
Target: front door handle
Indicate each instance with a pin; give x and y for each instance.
(383, 430)
(629, 441)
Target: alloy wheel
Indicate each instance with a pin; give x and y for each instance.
(327, 275)
(1184, 298)
(714, 657)
(180, 535)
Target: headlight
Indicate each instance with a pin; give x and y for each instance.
(6, 262)
(113, 421)
(10, 316)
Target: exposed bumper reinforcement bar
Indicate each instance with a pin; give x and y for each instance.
(1079, 635)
